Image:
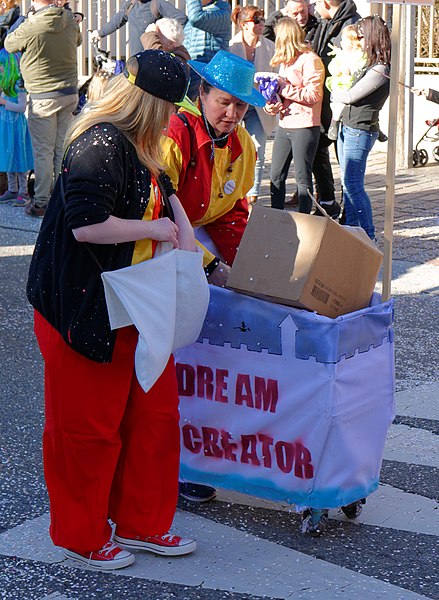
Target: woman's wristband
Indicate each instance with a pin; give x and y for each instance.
(210, 268)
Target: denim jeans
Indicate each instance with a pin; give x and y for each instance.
(353, 147)
(322, 171)
(300, 145)
(255, 129)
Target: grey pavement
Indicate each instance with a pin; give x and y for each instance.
(248, 548)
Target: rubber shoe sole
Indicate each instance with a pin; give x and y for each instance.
(195, 492)
(134, 544)
(125, 559)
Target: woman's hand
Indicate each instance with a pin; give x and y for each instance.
(273, 108)
(219, 275)
(419, 92)
(163, 230)
(94, 36)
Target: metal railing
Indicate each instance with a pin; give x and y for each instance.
(427, 39)
(97, 13)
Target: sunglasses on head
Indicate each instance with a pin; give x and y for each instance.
(255, 20)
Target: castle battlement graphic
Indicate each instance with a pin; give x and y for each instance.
(315, 336)
(285, 404)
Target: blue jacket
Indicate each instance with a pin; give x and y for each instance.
(208, 28)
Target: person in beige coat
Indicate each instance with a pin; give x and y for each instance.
(250, 44)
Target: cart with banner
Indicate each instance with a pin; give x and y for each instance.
(285, 404)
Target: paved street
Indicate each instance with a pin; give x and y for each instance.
(247, 548)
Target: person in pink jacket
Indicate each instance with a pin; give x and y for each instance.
(301, 78)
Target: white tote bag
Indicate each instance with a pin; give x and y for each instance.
(166, 298)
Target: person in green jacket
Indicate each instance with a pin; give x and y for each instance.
(48, 40)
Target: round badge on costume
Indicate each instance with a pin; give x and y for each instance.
(229, 187)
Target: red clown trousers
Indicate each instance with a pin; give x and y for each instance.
(110, 450)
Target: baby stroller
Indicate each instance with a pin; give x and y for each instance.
(420, 156)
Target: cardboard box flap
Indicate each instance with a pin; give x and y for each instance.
(361, 235)
(277, 250)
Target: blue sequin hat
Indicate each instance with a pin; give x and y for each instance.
(231, 74)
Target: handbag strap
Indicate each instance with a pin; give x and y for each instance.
(167, 208)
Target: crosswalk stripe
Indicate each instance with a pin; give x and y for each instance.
(387, 507)
(226, 559)
(421, 402)
(411, 445)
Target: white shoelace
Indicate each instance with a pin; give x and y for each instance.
(105, 550)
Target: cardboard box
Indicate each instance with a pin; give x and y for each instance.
(305, 261)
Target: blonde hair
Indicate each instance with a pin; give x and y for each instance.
(171, 29)
(97, 85)
(350, 33)
(140, 116)
(290, 42)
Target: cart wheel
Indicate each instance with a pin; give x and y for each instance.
(415, 158)
(314, 521)
(436, 153)
(423, 157)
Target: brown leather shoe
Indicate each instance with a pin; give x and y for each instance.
(35, 211)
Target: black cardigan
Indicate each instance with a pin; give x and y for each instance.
(102, 176)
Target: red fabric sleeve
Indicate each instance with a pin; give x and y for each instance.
(226, 232)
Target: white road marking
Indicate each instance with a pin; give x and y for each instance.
(226, 559)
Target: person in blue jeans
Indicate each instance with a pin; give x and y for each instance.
(359, 120)
(250, 44)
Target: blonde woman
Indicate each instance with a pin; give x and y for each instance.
(110, 449)
(301, 92)
(250, 44)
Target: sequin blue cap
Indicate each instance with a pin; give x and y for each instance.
(231, 74)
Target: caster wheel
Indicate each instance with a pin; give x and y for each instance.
(353, 510)
(423, 157)
(436, 153)
(415, 158)
(314, 522)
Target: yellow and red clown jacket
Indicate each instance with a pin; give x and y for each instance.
(212, 191)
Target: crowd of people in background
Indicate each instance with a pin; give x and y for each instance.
(96, 179)
(326, 36)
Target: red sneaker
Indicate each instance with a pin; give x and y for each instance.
(108, 557)
(165, 545)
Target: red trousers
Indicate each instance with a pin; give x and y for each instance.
(110, 450)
